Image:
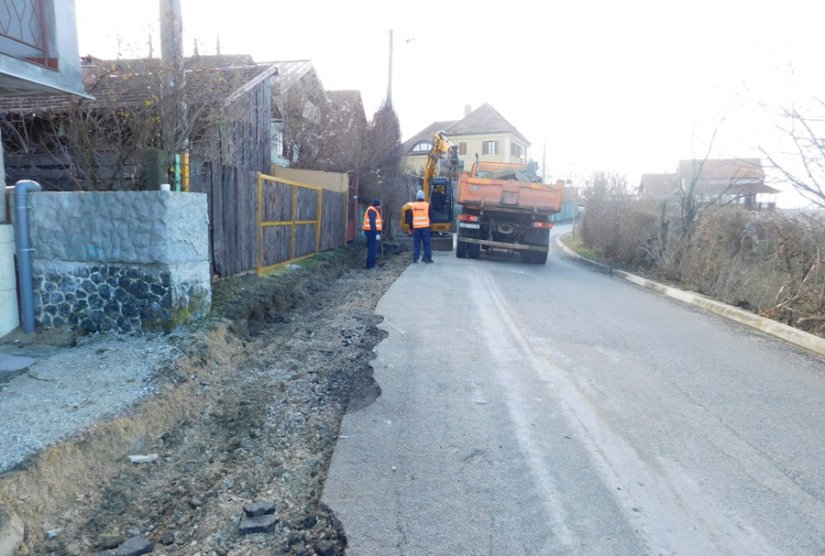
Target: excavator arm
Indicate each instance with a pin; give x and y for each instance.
(441, 148)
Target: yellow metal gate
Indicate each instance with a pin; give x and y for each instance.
(286, 211)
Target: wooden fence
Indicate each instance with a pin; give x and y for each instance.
(239, 200)
(296, 220)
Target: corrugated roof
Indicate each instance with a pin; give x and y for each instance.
(131, 82)
(292, 71)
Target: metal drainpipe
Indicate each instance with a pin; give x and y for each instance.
(22, 239)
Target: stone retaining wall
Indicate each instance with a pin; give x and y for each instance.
(126, 261)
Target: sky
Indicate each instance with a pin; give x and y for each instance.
(629, 87)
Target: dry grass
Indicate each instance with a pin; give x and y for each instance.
(769, 263)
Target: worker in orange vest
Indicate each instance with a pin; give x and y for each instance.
(418, 219)
(373, 224)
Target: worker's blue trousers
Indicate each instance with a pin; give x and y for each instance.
(372, 248)
(421, 235)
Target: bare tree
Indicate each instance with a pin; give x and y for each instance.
(688, 204)
(806, 133)
(383, 161)
(616, 224)
(304, 129)
(103, 143)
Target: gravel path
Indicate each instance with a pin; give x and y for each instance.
(71, 389)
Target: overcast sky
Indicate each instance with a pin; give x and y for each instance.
(627, 86)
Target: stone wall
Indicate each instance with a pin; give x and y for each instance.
(129, 261)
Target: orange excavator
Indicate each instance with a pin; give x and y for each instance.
(440, 171)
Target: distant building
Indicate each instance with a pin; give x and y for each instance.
(483, 132)
(721, 180)
(658, 186)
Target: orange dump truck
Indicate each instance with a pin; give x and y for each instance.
(505, 206)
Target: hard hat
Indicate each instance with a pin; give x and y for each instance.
(419, 196)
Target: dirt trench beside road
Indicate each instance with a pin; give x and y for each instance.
(249, 415)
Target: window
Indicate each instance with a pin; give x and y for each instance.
(277, 140)
(490, 147)
(516, 150)
(462, 147)
(422, 147)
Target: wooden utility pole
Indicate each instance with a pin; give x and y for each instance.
(173, 77)
(544, 158)
(389, 79)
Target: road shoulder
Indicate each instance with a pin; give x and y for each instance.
(778, 330)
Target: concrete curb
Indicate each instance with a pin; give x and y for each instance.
(776, 329)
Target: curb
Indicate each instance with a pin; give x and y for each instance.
(776, 329)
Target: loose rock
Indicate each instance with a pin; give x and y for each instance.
(258, 524)
(254, 509)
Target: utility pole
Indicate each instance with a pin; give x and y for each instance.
(173, 102)
(172, 85)
(389, 79)
(544, 157)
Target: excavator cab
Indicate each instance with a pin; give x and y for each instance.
(441, 200)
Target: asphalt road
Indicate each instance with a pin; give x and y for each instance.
(557, 410)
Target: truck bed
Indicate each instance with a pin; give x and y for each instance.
(509, 194)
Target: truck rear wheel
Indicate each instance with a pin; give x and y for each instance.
(461, 249)
(473, 250)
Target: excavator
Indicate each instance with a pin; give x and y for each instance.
(438, 191)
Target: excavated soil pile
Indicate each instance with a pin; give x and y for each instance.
(228, 456)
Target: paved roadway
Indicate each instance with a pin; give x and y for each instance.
(556, 410)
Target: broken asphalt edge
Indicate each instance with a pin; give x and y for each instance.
(776, 329)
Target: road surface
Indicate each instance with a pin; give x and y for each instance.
(556, 410)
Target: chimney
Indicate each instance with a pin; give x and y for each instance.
(467, 110)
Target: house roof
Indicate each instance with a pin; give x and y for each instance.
(425, 134)
(291, 72)
(483, 120)
(743, 170)
(345, 98)
(347, 109)
(658, 185)
(750, 189)
(128, 82)
(730, 176)
(348, 102)
(299, 75)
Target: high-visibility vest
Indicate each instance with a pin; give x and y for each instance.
(378, 222)
(421, 214)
